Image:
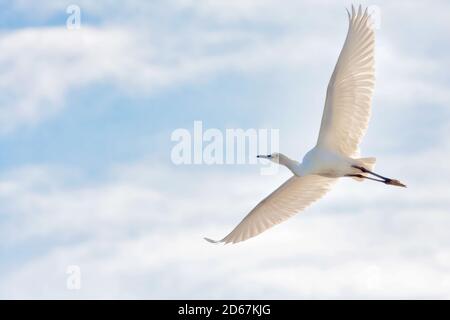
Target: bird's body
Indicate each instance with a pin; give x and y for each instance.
(344, 122)
(326, 163)
(320, 161)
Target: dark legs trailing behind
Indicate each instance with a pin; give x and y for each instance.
(385, 180)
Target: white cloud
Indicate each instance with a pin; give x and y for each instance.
(40, 67)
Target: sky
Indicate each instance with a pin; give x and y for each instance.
(87, 182)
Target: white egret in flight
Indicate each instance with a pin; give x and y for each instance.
(344, 122)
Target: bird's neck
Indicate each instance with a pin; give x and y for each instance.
(292, 165)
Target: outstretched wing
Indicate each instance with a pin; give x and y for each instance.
(349, 94)
(291, 197)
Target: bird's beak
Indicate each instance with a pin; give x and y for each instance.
(263, 156)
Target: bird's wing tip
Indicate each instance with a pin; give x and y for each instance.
(212, 241)
(357, 11)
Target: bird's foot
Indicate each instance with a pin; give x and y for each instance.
(394, 182)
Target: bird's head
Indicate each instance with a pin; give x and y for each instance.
(275, 157)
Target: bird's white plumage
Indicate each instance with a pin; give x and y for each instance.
(344, 123)
(291, 197)
(349, 94)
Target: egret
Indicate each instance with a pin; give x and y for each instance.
(344, 122)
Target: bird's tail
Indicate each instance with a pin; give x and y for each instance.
(367, 163)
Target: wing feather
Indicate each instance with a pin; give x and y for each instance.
(349, 94)
(291, 197)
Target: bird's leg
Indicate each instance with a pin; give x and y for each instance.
(393, 182)
(364, 177)
(370, 172)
